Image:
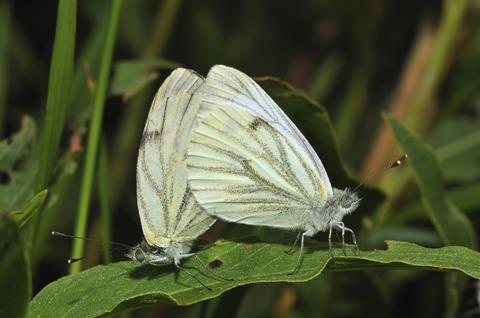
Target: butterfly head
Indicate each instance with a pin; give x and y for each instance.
(143, 253)
(342, 203)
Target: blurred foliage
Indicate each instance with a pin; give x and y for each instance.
(415, 60)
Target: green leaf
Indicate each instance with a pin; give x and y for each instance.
(117, 287)
(59, 88)
(452, 226)
(29, 209)
(314, 122)
(17, 169)
(457, 147)
(15, 277)
(465, 198)
(131, 76)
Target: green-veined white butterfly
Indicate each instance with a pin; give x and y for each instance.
(171, 219)
(248, 163)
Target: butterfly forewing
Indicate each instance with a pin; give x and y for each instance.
(167, 209)
(242, 169)
(228, 87)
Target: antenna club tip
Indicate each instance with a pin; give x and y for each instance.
(69, 261)
(53, 233)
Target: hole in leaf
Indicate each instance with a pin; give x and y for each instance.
(4, 177)
(248, 246)
(215, 263)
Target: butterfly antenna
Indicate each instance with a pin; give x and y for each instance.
(55, 233)
(391, 165)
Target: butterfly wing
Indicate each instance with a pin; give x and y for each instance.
(242, 169)
(228, 87)
(168, 211)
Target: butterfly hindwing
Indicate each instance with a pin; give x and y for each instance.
(167, 209)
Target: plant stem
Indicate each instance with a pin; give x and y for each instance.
(94, 134)
(103, 195)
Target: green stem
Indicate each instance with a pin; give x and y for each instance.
(103, 194)
(94, 134)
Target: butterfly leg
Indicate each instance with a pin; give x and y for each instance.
(292, 248)
(344, 229)
(300, 256)
(354, 239)
(342, 226)
(177, 265)
(330, 241)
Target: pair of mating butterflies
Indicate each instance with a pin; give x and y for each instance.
(220, 147)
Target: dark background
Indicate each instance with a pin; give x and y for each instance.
(357, 58)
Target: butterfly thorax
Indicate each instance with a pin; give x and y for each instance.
(341, 203)
(145, 253)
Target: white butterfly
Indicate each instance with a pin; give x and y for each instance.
(171, 219)
(248, 163)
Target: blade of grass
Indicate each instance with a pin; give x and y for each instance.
(454, 11)
(103, 192)
(94, 134)
(452, 226)
(431, 57)
(324, 78)
(59, 86)
(81, 100)
(382, 147)
(352, 107)
(5, 13)
(465, 198)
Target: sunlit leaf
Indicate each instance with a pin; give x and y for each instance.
(121, 286)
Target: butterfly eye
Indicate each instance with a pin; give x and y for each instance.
(346, 203)
(139, 255)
